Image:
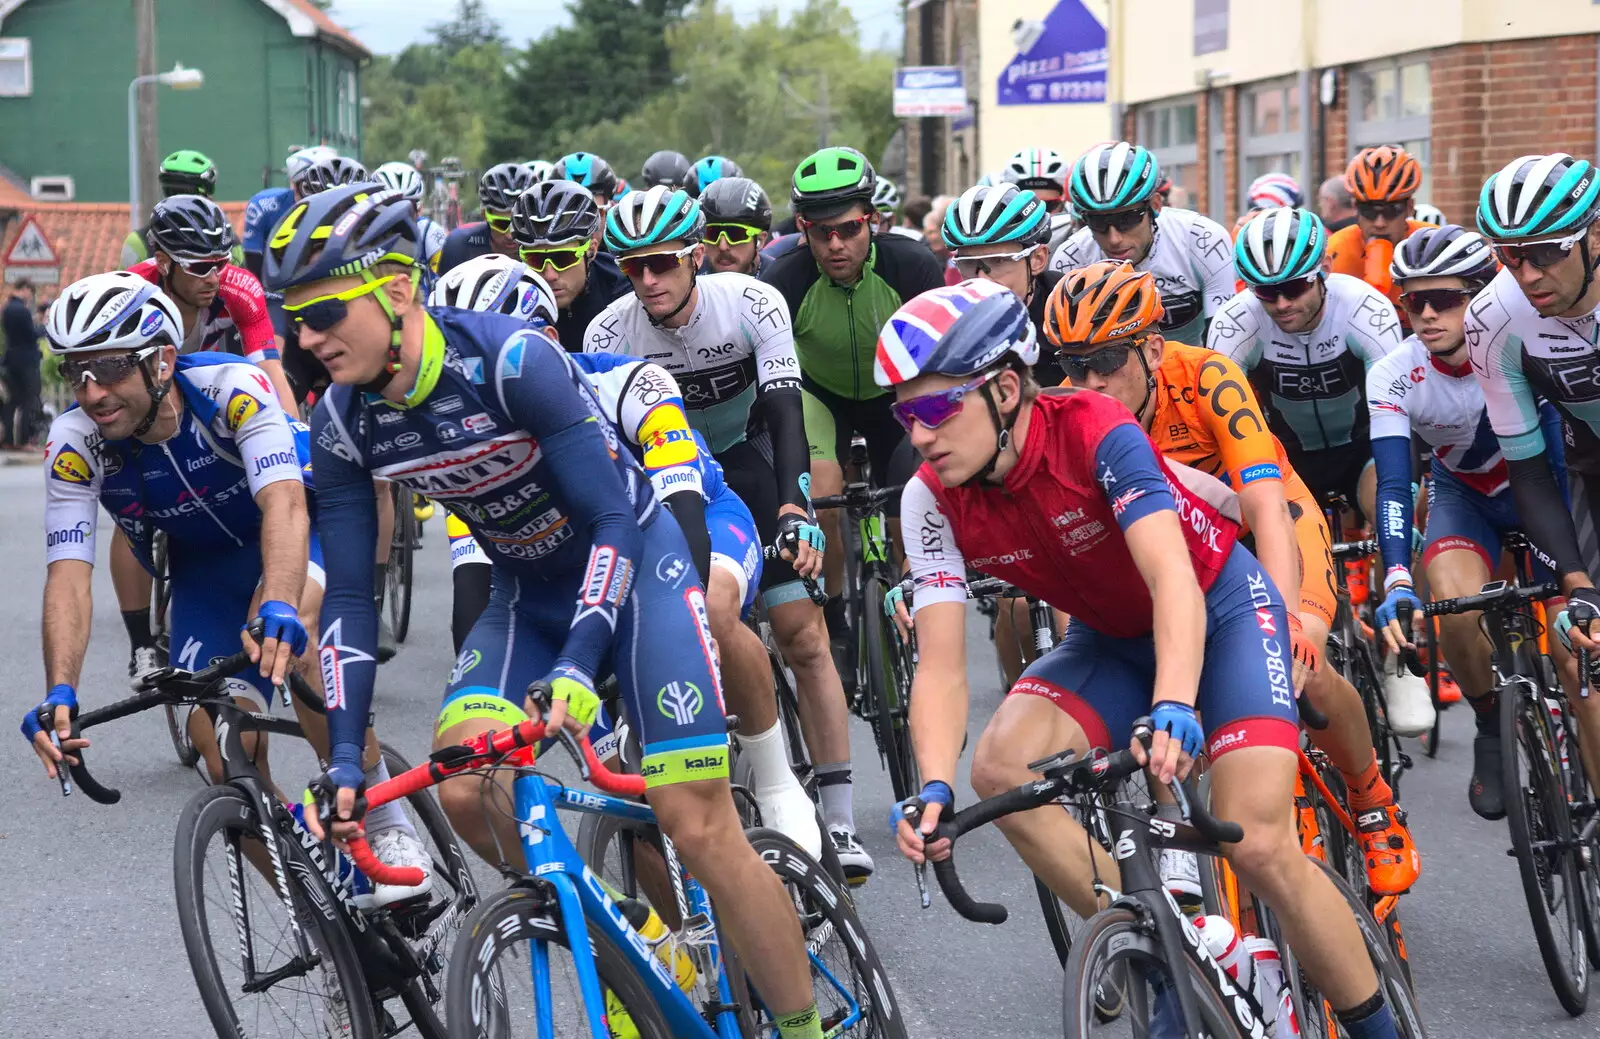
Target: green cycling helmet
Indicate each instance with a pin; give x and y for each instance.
(1539, 196)
(829, 181)
(1279, 245)
(644, 219)
(187, 172)
(1112, 176)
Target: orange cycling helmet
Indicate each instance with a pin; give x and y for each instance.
(1101, 303)
(1386, 173)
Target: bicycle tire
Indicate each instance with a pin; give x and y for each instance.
(887, 685)
(401, 553)
(1392, 980)
(1578, 783)
(1115, 938)
(1544, 819)
(160, 603)
(518, 914)
(226, 808)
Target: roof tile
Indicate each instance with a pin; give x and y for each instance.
(87, 236)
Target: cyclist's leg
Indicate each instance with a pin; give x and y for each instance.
(132, 583)
(469, 579)
(822, 431)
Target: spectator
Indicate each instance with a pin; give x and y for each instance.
(1177, 197)
(19, 419)
(935, 241)
(913, 216)
(1335, 204)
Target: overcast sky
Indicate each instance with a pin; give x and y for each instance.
(387, 26)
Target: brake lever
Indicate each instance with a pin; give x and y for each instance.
(911, 812)
(62, 774)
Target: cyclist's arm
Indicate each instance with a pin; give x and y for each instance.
(649, 412)
(1213, 252)
(72, 489)
(766, 320)
(938, 608)
(1388, 387)
(68, 613)
(1232, 332)
(272, 467)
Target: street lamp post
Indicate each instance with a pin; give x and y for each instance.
(179, 78)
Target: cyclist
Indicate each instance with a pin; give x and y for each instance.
(886, 200)
(1111, 185)
(1041, 171)
(1268, 191)
(1308, 340)
(1425, 388)
(556, 228)
(197, 447)
(840, 290)
(1531, 334)
(592, 172)
(708, 170)
(544, 489)
(1384, 182)
(727, 339)
(643, 403)
(1427, 213)
(738, 225)
(267, 205)
(182, 173)
(498, 190)
(539, 169)
(404, 178)
(665, 167)
(1198, 408)
(1013, 478)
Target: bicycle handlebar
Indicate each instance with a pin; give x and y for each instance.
(1354, 549)
(858, 497)
(1504, 597)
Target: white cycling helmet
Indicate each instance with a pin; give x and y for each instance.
(885, 196)
(1428, 213)
(302, 160)
(540, 169)
(496, 284)
(1036, 168)
(112, 311)
(401, 177)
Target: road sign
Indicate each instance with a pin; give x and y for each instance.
(930, 90)
(31, 257)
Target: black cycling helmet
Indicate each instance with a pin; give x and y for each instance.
(665, 167)
(331, 172)
(590, 170)
(554, 211)
(501, 184)
(190, 227)
(736, 200)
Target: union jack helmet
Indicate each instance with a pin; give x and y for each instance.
(954, 330)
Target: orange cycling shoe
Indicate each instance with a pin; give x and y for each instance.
(1449, 692)
(1393, 863)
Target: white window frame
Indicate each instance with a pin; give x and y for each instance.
(1284, 142)
(1172, 154)
(25, 46)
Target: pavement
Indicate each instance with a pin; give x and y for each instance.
(89, 940)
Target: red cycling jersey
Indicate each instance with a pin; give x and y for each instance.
(240, 307)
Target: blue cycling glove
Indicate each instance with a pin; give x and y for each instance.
(1178, 721)
(934, 792)
(794, 529)
(344, 767)
(1389, 609)
(282, 622)
(61, 695)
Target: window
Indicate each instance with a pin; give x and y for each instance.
(1169, 131)
(1391, 102)
(1272, 134)
(16, 67)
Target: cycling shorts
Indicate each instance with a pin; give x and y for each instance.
(464, 547)
(1246, 694)
(1462, 518)
(661, 656)
(831, 420)
(735, 544)
(1333, 471)
(1319, 594)
(749, 473)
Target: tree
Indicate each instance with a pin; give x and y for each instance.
(471, 27)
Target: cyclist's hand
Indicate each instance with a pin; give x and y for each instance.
(1177, 741)
(334, 793)
(573, 701)
(801, 541)
(894, 607)
(935, 797)
(1574, 625)
(1306, 658)
(283, 638)
(59, 708)
(1394, 636)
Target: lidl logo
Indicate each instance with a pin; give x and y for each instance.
(665, 438)
(71, 467)
(241, 409)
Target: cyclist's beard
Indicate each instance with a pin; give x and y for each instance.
(169, 284)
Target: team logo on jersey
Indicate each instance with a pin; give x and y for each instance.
(151, 322)
(511, 358)
(665, 438)
(241, 408)
(71, 467)
(335, 656)
(680, 701)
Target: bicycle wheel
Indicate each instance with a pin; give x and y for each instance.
(1541, 835)
(398, 592)
(254, 961)
(1588, 873)
(889, 687)
(160, 602)
(493, 995)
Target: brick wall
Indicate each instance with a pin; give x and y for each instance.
(1200, 200)
(1230, 154)
(1336, 137)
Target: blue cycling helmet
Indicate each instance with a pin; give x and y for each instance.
(590, 170)
(655, 217)
(1279, 245)
(992, 214)
(1112, 176)
(954, 330)
(1538, 196)
(339, 232)
(711, 168)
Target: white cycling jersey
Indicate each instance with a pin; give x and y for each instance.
(1313, 383)
(1520, 357)
(1411, 391)
(433, 236)
(738, 342)
(1192, 260)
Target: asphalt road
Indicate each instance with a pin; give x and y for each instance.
(89, 943)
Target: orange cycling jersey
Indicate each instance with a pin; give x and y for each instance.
(1349, 252)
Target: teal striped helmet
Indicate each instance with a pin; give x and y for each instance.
(1539, 196)
(1112, 176)
(1279, 245)
(644, 219)
(992, 214)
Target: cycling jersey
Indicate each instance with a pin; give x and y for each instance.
(1412, 392)
(1047, 371)
(783, 245)
(463, 244)
(1191, 258)
(1312, 383)
(262, 214)
(1349, 252)
(433, 237)
(236, 320)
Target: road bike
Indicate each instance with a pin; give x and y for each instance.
(402, 561)
(160, 628)
(444, 193)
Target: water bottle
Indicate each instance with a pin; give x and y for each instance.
(674, 956)
(1271, 989)
(1558, 729)
(1223, 942)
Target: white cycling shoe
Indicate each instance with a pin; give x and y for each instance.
(1410, 703)
(1180, 875)
(144, 660)
(396, 847)
(787, 809)
(853, 858)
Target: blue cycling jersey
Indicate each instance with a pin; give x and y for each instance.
(464, 243)
(262, 214)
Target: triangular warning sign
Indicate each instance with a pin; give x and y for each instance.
(31, 248)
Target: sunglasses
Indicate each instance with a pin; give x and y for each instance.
(935, 409)
(656, 263)
(106, 371)
(497, 222)
(972, 266)
(1105, 361)
(202, 268)
(1381, 210)
(1054, 205)
(1542, 254)
(844, 230)
(1122, 222)
(324, 312)
(1440, 300)
(1284, 290)
(560, 259)
(729, 234)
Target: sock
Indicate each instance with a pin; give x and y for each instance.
(1368, 789)
(138, 624)
(804, 1025)
(1486, 712)
(835, 793)
(833, 615)
(1370, 1020)
(769, 759)
(390, 816)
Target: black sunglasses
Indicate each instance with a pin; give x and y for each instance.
(1106, 361)
(1284, 290)
(1122, 222)
(1440, 300)
(1381, 210)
